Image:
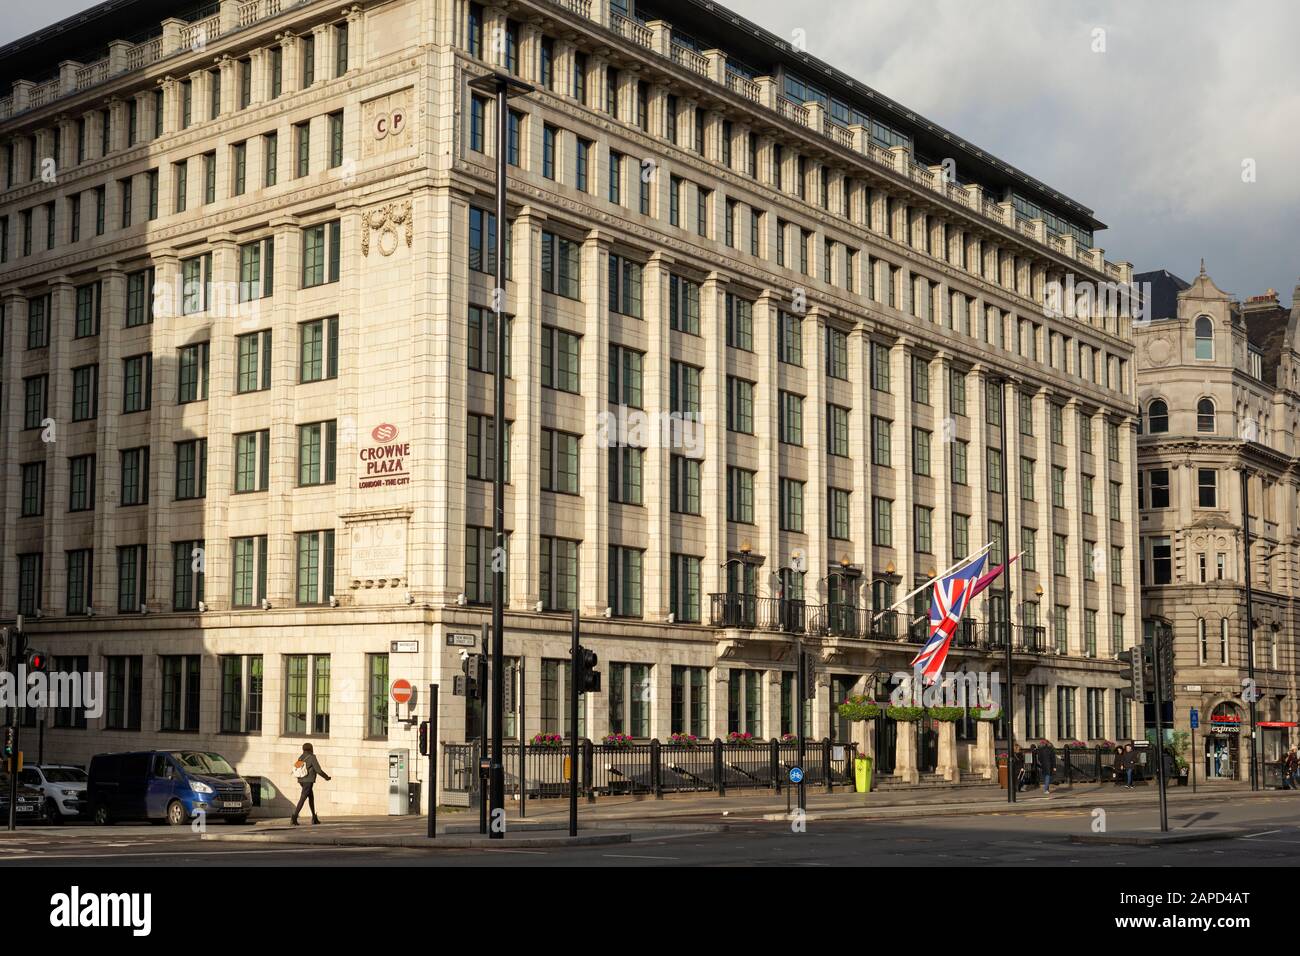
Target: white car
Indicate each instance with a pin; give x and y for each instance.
(64, 789)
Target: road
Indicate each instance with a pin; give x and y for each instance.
(1016, 838)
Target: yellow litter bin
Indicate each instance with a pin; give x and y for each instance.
(862, 774)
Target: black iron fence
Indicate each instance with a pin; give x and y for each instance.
(654, 768)
(748, 612)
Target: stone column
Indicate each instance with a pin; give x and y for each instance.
(594, 466)
(656, 463)
(906, 759)
(947, 766)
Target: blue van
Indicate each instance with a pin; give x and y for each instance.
(158, 785)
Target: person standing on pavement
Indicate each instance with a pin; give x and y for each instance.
(1117, 766)
(1046, 758)
(1130, 759)
(1290, 769)
(306, 769)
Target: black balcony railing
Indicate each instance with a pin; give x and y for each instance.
(747, 612)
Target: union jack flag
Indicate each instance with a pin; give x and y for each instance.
(951, 595)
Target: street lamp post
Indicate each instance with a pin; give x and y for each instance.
(502, 86)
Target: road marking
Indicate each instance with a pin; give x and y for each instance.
(1251, 836)
(92, 858)
(634, 856)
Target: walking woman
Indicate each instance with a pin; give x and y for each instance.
(307, 768)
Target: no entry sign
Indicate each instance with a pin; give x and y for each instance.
(401, 690)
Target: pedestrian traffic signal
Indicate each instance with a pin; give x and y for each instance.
(1166, 651)
(1132, 673)
(588, 676)
(424, 738)
(37, 662)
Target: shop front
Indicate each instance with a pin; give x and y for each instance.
(1223, 743)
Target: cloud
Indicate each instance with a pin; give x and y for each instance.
(1151, 133)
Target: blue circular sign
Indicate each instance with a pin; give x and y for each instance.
(796, 775)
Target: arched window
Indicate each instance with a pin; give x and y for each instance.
(1205, 415)
(1204, 338)
(1158, 416)
(1202, 639)
(1223, 640)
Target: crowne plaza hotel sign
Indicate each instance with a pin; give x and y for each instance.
(384, 460)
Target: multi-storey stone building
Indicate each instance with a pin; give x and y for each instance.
(1217, 389)
(248, 358)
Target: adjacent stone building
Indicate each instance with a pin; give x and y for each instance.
(1217, 385)
(246, 266)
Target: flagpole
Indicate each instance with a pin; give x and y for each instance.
(1010, 705)
(903, 600)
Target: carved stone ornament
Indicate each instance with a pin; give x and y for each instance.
(385, 220)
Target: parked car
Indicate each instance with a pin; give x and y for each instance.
(172, 786)
(28, 807)
(63, 789)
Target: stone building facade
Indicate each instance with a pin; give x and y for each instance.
(1217, 386)
(247, 384)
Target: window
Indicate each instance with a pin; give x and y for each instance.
(556, 675)
(837, 356)
(1056, 421)
(124, 691)
(582, 164)
(270, 158)
(318, 350)
(1205, 415)
(256, 269)
(740, 495)
(790, 418)
(837, 515)
(684, 390)
(560, 461)
(252, 461)
(335, 121)
(561, 271)
(151, 179)
(254, 362)
(957, 391)
(921, 452)
(683, 305)
(308, 63)
(276, 66)
(1028, 544)
(196, 278)
(625, 474)
(559, 574)
(1027, 479)
(920, 381)
(191, 469)
(85, 393)
(791, 505)
(703, 197)
(689, 707)
(837, 430)
(317, 453)
(248, 574)
(923, 538)
(745, 701)
(483, 341)
(514, 133)
(879, 367)
(684, 487)
(137, 383)
(1060, 545)
(38, 321)
(993, 403)
(1065, 712)
(180, 692)
(1085, 494)
(135, 476)
(483, 242)
(740, 405)
(132, 578)
(245, 67)
(302, 148)
(1058, 486)
(629, 699)
(624, 286)
(33, 489)
(180, 184)
(187, 575)
(1207, 486)
(81, 483)
(307, 694)
(882, 525)
(789, 340)
(1158, 417)
(740, 323)
(1091, 558)
(1114, 499)
(1116, 565)
(315, 567)
(674, 201)
(958, 465)
(625, 376)
(1158, 486)
(1026, 414)
(481, 444)
(242, 692)
(320, 254)
(880, 441)
(1204, 339)
(549, 136)
(209, 185)
(995, 470)
(35, 401)
(625, 582)
(560, 360)
(478, 566)
(615, 178)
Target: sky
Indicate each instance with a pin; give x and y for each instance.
(1178, 123)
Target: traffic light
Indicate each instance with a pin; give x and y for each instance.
(1166, 651)
(10, 742)
(424, 738)
(37, 662)
(809, 676)
(1132, 673)
(588, 676)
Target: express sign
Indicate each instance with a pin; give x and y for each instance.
(385, 462)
